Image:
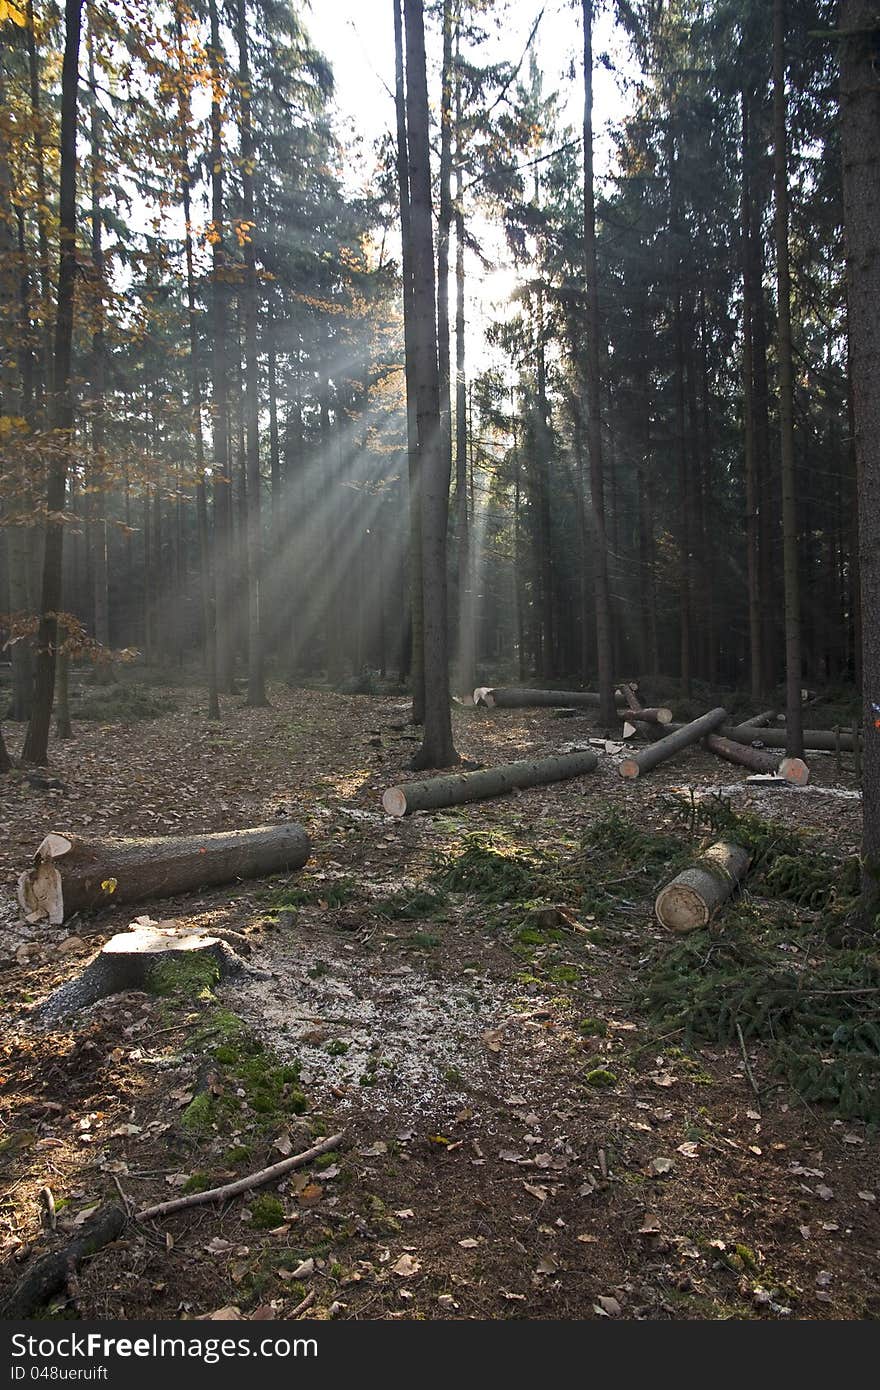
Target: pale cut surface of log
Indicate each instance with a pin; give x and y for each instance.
(659, 715)
(647, 758)
(511, 697)
(71, 873)
(133, 960)
(457, 788)
(694, 896)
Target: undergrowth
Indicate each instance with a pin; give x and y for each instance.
(770, 972)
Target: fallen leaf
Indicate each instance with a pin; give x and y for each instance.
(406, 1267)
(660, 1166)
(549, 1265)
(609, 1306)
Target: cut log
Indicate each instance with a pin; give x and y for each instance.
(71, 873)
(658, 715)
(758, 759)
(509, 697)
(823, 739)
(51, 1272)
(647, 758)
(136, 960)
(695, 895)
(759, 721)
(457, 788)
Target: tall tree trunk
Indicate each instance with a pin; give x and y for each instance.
(438, 749)
(417, 627)
(860, 122)
(753, 493)
(467, 597)
(99, 478)
(604, 658)
(794, 745)
(206, 577)
(444, 226)
(256, 694)
(36, 745)
(220, 370)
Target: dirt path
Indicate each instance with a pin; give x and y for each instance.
(520, 1139)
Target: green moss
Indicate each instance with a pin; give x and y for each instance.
(198, 1182)
(200, 1115)
(326, 1160)
(564, 974)
(336, 1048)
(600, 1076)
(192, 974)
(593, 1027)
(267, 1212)
(421, 941)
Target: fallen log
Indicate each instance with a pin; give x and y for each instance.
(654, 715)
(71, 872)
(794, 770)
(682, 737)
(51, 1272)
(457, 788)
(758, 721)
(144, 958)
(510, 697)
(822, 739)
(695, 895)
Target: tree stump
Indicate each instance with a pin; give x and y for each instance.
(144, 958)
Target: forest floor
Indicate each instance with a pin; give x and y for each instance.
(468, 996)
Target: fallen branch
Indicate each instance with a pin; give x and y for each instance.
(51, 1272)
(232, 1189)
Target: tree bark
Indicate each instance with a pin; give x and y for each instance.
(416, 596)
(647, 758)
(791, 559)
(222, 484)
(604, 657)
(256, 694)
(823, 739)
(459, 788)
(860, 123)
(695, 895)
(794, 770)
(504, 697)
(438, 749)
(36, 746)
(71, 873)
(51, 1272)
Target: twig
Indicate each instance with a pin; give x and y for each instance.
(126, 1201)
(749, 1073)
(232, 1189)
(303, 1305)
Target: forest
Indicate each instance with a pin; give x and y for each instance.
(439, 660)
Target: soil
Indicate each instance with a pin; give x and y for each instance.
(486, 1171)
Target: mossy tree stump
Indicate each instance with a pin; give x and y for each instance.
(153, 958)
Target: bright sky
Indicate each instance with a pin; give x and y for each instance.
(358, 38)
